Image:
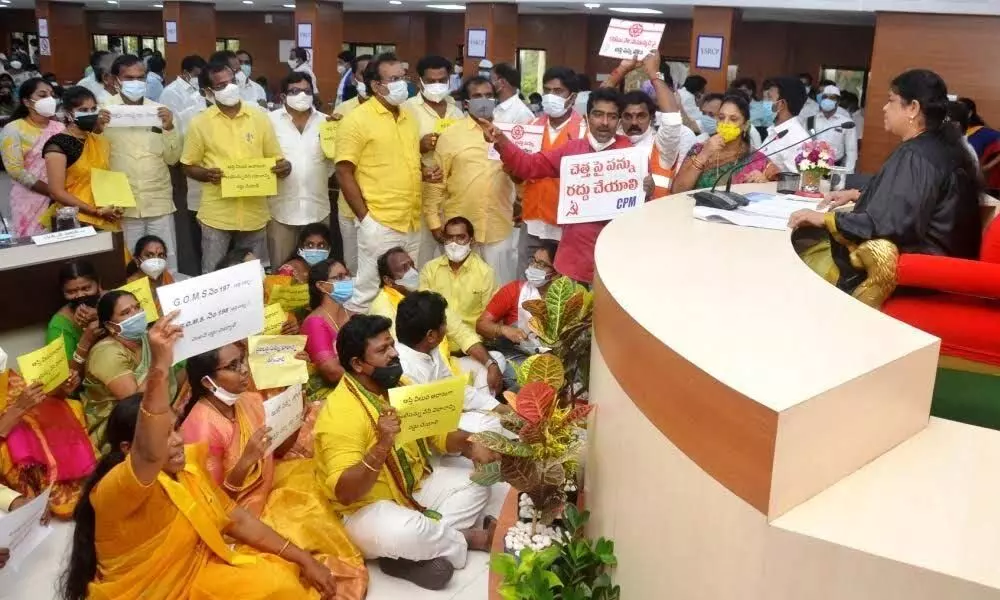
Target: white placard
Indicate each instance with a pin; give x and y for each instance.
(476, 43)
(43, 28)
(626, 39)
(305, 36)
(21, 530)
(709, 52)
(283, 414)
(63, 236)
(129, 115)
(170, 32)
(44, 47)
(216, 309)
(601, 185)
(525, 137)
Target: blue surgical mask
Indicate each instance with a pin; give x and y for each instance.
(342, 291)
(314, 255)
(134, 327)
(708, 124)
(245, 69)
(134, 90)
(827, 105)
(762, 113)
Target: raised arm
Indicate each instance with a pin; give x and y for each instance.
(150, 450)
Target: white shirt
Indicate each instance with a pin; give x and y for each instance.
(513, 110)
(667, 138)
(789, 145)
(303, 197)
(425, 368)
(689, 104)
(253, 93)
(859, 122)
(843, 141)
(809, 109)
(687, 141)
(182, 119)
(179, 96)
(95, 87)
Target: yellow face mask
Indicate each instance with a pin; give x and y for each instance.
(729, 131)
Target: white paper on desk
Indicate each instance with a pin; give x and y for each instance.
(22, 531)
(735, 217)
(283, 414)
(126, 115)
(780, 208)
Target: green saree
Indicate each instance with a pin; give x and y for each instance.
(61, 325)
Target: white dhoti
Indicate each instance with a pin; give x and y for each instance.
(386, 529)
(502, 256)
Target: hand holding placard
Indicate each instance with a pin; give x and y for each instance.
(428, 409)
(602, 185)
(111, 188)
(249, 177)
(283, 414)
(48, 365)
(628, 39)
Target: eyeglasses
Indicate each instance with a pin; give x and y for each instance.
(542, 265)
(395, 79)
(237, 365)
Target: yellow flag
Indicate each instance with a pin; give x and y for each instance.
(274, 318)
(328, 137)
(111, 188)
(249, 177)
(291, 296)
(273, 363)
(47, 365)
(428, 409)
(142, 291)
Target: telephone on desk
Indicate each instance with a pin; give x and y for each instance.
(723, 200)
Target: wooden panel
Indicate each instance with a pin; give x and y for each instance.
(196, 32)
(500, 23)
(794, 48)
(119, 22)
(260, 39)
(561, 36)
(393, 28)
(444, 34)
(67, 37)
(327, 19)
(730, 436)
(713, 21)
(961, 49)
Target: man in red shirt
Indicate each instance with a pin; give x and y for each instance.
(575, 257)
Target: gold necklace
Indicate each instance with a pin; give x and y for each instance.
(332, 319)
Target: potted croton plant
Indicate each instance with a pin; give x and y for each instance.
(814, 161)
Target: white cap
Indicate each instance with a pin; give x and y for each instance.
(485, 64)
(953, 97)
(831, 90)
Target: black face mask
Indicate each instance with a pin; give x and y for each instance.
(389, 375)
(90, 301)
(87, 122)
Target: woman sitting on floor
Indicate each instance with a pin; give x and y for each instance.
(149, 259)
(313, 246)
(151, 524)
(330, 286)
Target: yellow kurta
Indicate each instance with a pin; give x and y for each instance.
(460, 335)
(467, 291)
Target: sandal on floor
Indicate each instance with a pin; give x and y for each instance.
(431, 574)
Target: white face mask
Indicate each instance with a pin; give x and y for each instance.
(598, 145)
(46, 107)
(457, 252)
(300, 102)
(341, 69)
(554, 105)
(192, 81)
(410, 280)
(642, 137)
(224, 396)
(293, 62)
(153, 267)
(228, 96)
(535, 277)
(397, 93)
(241, 77)
(15, 64)
(362, 89)
(435, 92)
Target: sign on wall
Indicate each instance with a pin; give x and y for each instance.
(43, 28)
(171, 32)
(475, 46)
(305, 35)
(709, 52)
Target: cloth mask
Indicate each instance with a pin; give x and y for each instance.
(642, 137)
(153, 267)
(224, 396)
(482, 107)
(410, 280)
(85, 120)
(46, 107)
(245, 69)
(708, 124)
(228, 96)
(362, 89)
(314, 256)
(341, 69)
(193, 82)
(554, 105)
(300, 102)
(90, 300)
(398, 93)
(388, 376)
(535, 277)
(457, 252)
(729, 132)
(827, 105)
(598, 146)
(133, 90)
(342, 291)
(134, 327)
(435, 92)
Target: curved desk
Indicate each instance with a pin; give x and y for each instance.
(762, 435)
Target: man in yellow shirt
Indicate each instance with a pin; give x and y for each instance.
(417, 520)
(230, 130)
(378, 168)
(474, 186)
(345, 217)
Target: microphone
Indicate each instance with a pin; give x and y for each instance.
(729, 200)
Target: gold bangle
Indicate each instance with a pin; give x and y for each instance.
(146, 413)
(283, 548)
(697, 164)
(371, 468)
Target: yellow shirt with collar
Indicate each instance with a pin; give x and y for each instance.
(385, 151)
(144, 155)
(467, 290)
(343, 109)
(212, 140)
(473, 187)
(460, 336)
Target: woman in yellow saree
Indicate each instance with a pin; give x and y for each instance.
(70, 156)
(227, 418)
(151, 524)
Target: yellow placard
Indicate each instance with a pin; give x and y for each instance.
(291, 296)
(144, 294)
(249, 177)
(273, 363)
(111, 188)
(274, 318)
(428, 409)
(328, 137)
(443, 123)
(47, 365)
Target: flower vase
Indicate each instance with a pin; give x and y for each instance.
(809, 183)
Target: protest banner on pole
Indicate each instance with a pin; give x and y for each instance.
(428, 409)
(216, 309)
(283, 414)
(601, 185)
(626, 39)
(47, 365)
(525, 137)
(273, 363)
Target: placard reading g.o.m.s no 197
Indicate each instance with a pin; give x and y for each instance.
(216, 309)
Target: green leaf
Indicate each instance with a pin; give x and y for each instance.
(509, 592)
(511, 421)
(498, 443)
(556, 298)
(504, 564)
(487, 475)
(546, 368)
(552, 579)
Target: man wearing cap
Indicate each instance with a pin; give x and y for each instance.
(843, 141)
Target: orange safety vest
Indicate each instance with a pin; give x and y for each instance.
(663, 177)
(540, 197)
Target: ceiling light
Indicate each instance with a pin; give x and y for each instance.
(288, 5)
(247, 1)
(592, 6)
(112, 1)
(395, 2)
(447, 6)
(636, 11)
(157, 6)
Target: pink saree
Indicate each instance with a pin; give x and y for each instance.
(26, 205)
